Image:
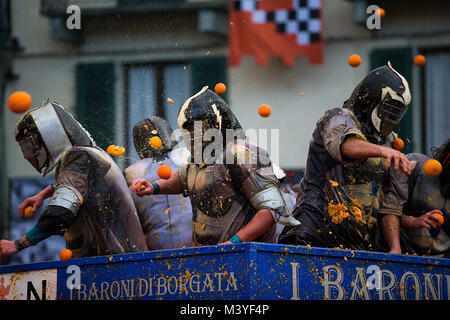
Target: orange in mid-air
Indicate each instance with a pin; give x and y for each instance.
(155, 142)
(354, 60)
(19, 102)
(420, 60)
(119, 151)
(220, 88)
(432, 168)
(115, 150)
(111, 148)
(398, 144)
(27, 212)
(380, 12)
(65, 255)
(164, 172)
(169, 100)
(440, 217)
(264, 110)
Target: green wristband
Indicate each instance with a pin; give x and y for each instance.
(235, 239)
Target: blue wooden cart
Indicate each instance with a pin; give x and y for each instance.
(248, 271)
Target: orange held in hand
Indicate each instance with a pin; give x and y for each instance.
(398, 144)
(164, 172)
(27, 212)
(440, 217)
(19, 102)
(220, 88)
(136, 187)
(264, 110)
(155, 142)
(432, 168)
(65, 255)
(420, 60)
(354, 60)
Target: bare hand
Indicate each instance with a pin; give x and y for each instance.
(427, 220)
(395, 159)
(35, 202)
(226, 242)
(141, 187)
(7, 248)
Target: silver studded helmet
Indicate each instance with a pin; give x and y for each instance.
(45, 133)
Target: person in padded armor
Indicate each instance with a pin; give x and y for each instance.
(233, 190)
(416, 199)
(90, 201)
(166, 219)
(347, 151)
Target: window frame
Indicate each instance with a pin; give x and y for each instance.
(159, 67)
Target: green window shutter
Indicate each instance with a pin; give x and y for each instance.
(209, 72)
(401, 60)
(95, 100)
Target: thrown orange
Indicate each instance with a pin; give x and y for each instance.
(354, 60)
(19, 102)
(220, 88)
(164, 172)
(110, 149)
(65, 255)
(398, 144)
(432, 168)
(264, 110)
(420, 60)
(380, 12)
(155, 142)
(119, 151)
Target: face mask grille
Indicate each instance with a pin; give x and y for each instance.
(33, 152)
(391, 112)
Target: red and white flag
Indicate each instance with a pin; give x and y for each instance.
(285, 28)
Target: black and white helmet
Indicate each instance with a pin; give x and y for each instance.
(380, 101)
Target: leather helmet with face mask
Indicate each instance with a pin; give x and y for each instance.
(147, 129)
(210, 111)
(45, 133)
(379, 102)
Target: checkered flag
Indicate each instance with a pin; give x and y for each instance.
(286, 28)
